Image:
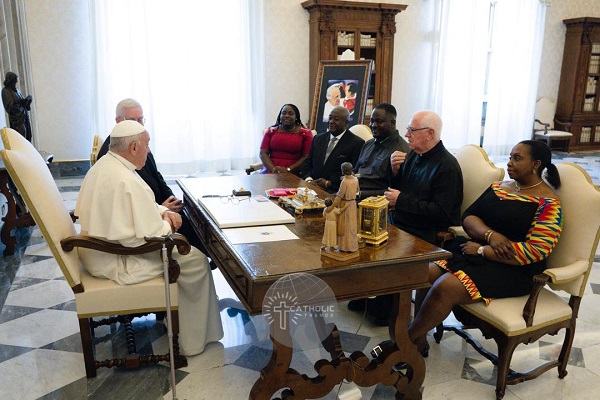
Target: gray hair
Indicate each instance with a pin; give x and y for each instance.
(330, 89)
(126, 103)
(121, 144)
(344, 111)
(432, 120)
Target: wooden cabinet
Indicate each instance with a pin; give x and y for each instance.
(357, 30)
(578, 103)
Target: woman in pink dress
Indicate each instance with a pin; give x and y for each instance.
(286, 144)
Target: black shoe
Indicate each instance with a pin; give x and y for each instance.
(424, 353)
(379, 320)
(212, 264)
(357, 305)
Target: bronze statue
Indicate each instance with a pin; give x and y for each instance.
(16, 106)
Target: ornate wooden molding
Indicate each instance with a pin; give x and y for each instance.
(388, 22)
(326, 22)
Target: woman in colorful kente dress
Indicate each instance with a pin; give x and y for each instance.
(513, 226)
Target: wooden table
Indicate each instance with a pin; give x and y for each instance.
(398, 267)
(14, 218)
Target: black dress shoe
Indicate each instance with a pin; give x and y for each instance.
(357, 305)
(424, 353)
(379, 320)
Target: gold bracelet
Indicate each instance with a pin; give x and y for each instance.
(488, 235)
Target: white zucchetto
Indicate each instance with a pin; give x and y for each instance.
(127, 128)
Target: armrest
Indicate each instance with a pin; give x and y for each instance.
(153, 244)
(443, 237)
(568, 272)
(458, 231)
(539, 281)
(546, 126)
(254, 167)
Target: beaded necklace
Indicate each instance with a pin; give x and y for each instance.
(519, 188)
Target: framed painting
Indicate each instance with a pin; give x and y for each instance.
(340, 83)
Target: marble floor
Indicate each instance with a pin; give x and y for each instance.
(40, 348)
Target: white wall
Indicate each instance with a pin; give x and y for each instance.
(60, 49)
(60, 43)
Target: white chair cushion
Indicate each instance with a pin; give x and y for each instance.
(507, 314)
(556, 134)
(106, 297)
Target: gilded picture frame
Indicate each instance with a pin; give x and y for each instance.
(344, 83)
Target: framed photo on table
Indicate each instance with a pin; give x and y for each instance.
(340, 83)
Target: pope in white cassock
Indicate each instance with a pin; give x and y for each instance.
(115, 204)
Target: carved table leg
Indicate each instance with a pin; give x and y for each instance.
(273, 375)
(408, 386)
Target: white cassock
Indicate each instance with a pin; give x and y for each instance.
(115, 204)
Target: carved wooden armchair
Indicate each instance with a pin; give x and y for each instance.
(94, 297)
(96, 145)
(512, 321)
(543, 126)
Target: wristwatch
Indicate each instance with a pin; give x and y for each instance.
(480, 251)
(289, 169)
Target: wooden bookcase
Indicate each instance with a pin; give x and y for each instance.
(366, 29)
(578, 103)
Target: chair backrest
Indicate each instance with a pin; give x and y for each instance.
(96, 145)
(478, 173)
(362, 131)
(544, 111)
(34, 181)
(572, 258)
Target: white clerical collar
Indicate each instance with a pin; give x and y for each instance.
(123, 160)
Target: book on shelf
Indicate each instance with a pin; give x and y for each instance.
(594, 64)
(595, 47)
(597, 134)
(586, 132)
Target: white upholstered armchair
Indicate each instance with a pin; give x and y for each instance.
(94, 297)
(554, 301)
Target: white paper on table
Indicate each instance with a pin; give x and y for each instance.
(248, 212)
(259, 234)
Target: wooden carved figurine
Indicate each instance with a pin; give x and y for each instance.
(348, 220)
(331, 214)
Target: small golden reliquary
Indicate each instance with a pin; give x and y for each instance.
(372, 220)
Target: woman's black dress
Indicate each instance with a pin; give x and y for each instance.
(533, 223)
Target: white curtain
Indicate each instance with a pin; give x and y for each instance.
(514, 73)
(514, 34)
(196, 69)
(461, 64)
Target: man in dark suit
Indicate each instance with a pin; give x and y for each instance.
(329, 150)
(130, 109)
